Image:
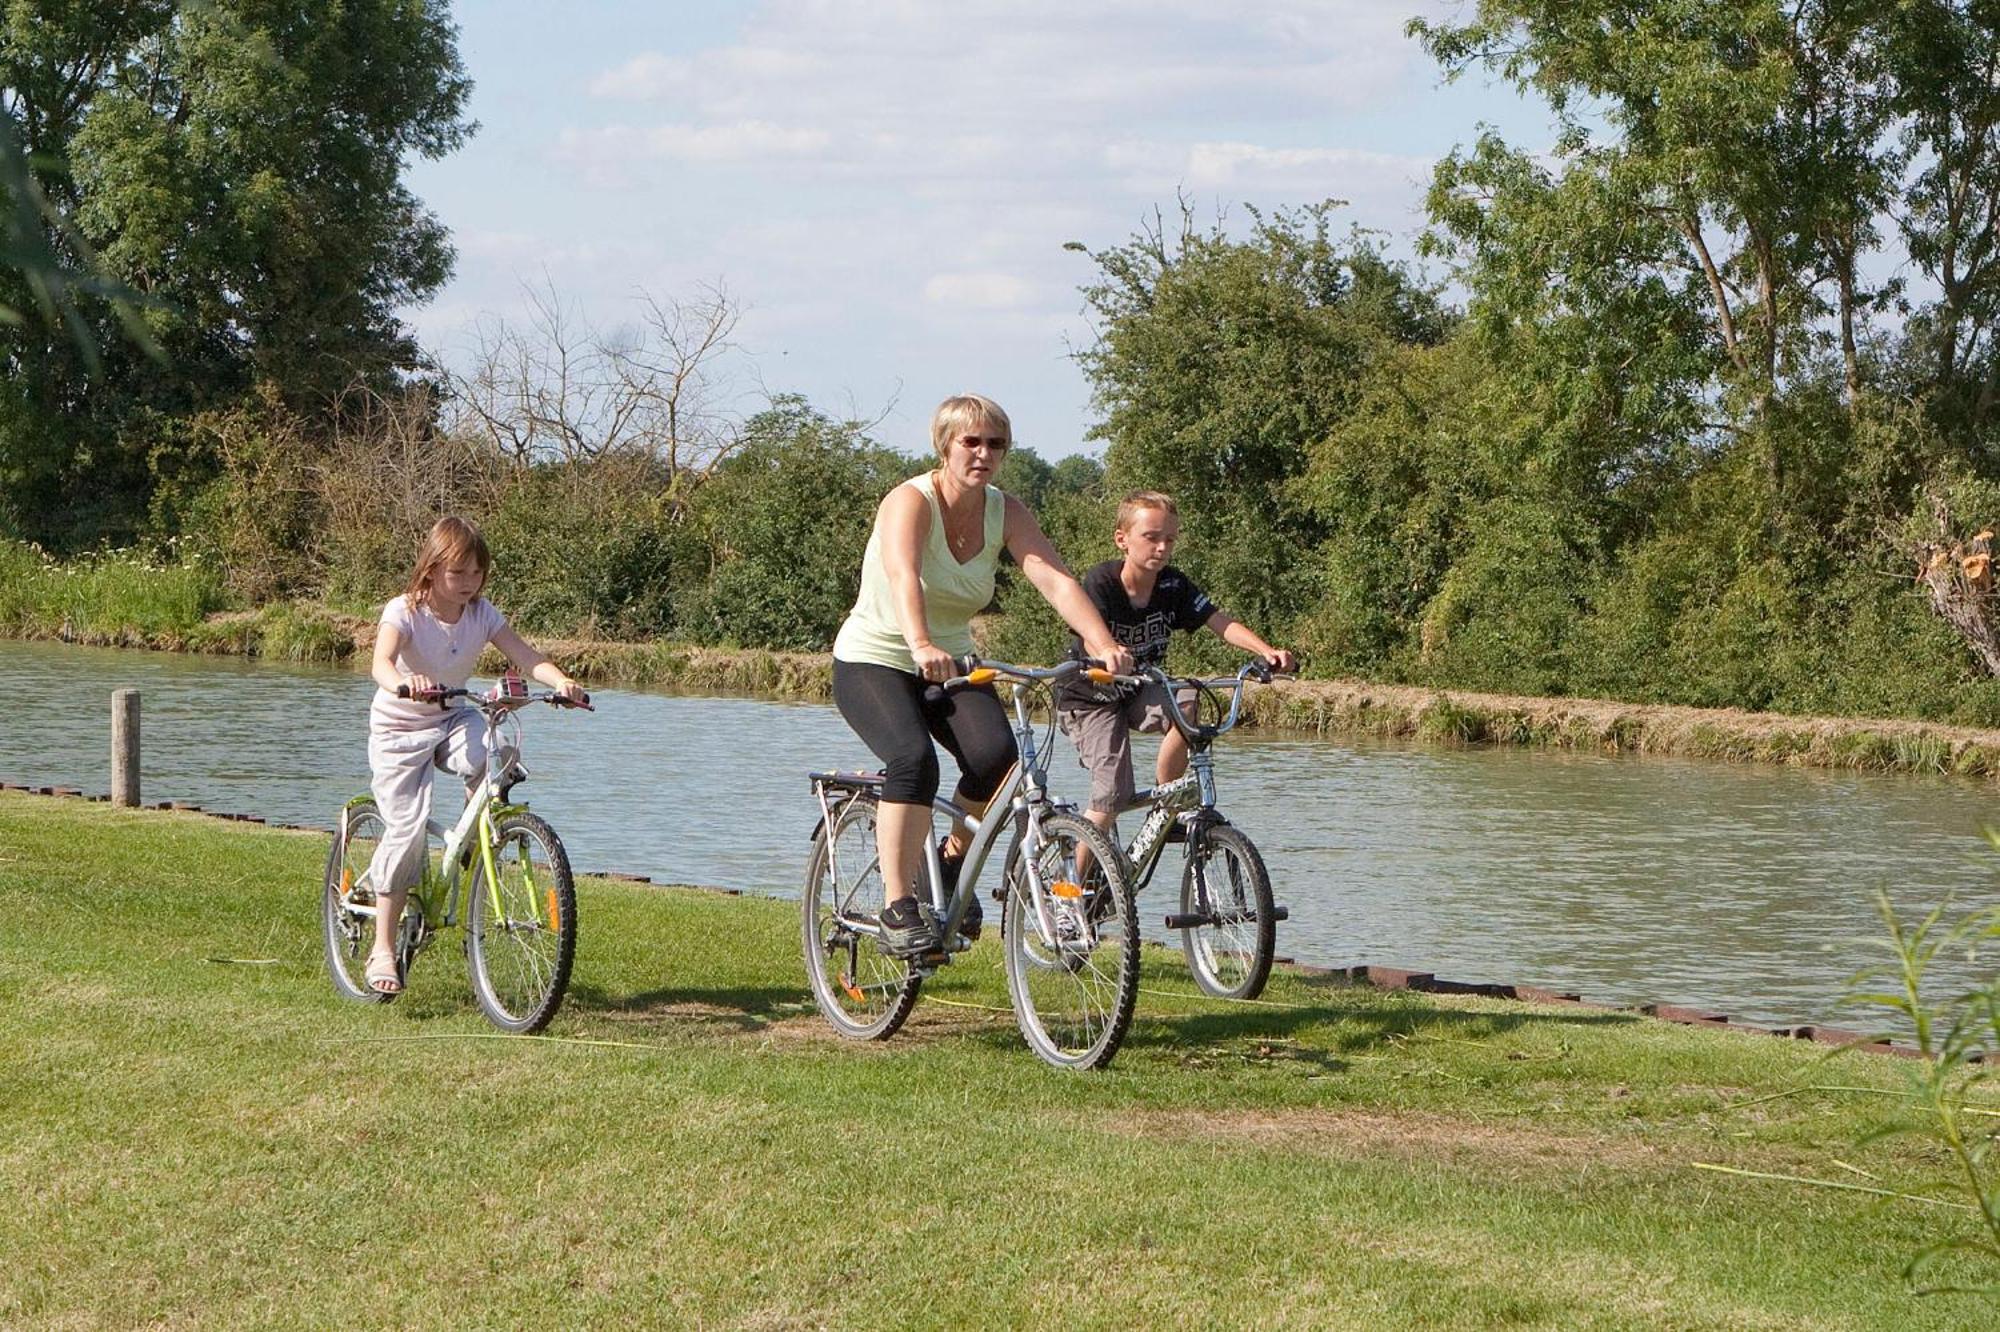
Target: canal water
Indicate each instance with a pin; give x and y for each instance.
(1742, 888)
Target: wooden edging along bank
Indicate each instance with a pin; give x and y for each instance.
(1379, 977)
(1314, 707)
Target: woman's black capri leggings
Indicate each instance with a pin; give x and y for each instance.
(895, 716)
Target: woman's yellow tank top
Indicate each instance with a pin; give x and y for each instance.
(953, 592)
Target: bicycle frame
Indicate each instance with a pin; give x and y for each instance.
(1190, 798)
(437, 894)
(1022, 800)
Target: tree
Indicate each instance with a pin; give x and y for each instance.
(238, 164)
(562, 389)
(1716, 230)
(1219, 361)
(785, 520)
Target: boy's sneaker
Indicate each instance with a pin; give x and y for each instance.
(906, 930)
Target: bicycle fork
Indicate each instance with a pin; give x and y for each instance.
(1206, 911)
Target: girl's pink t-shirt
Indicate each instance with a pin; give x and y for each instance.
(444, 652)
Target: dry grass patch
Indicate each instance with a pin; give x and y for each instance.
(1370, 1133)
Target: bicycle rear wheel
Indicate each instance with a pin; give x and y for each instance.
(1225, 883)
(863, 992)
(350, 935)
(1073, 952)
(519, 947)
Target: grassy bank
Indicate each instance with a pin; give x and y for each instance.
(201, 1134)
(122, 602)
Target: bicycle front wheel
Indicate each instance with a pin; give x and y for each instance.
(864, 993)
(349, 934)
(521, 925)
(1072, 948)
(1226, 886)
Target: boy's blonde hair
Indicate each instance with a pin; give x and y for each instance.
(451, 539)
(963, 412)
(1128, 508)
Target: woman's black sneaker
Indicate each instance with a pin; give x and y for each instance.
(906, 930)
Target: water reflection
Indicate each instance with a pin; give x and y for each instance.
(1740, 887)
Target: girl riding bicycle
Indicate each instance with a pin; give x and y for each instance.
(429, 639)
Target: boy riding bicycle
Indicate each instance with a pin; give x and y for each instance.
(1143, 599)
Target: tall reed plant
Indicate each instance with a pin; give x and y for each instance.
(1958, 1036)
(116, 597)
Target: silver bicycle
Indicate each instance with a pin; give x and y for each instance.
(520, 913)
(1070, 938)
(1227, 918)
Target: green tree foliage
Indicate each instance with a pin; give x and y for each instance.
(1220, 361)
(1688, 378)
(238, 164)
(781, 525)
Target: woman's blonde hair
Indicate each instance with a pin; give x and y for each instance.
(966, 411)
(451, 539)
(1128, 508)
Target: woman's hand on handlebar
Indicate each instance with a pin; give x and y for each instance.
(1281, 661)
(934, 664)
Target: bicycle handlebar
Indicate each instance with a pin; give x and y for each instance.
(485, 701)
(1258, 671)
(972, 669)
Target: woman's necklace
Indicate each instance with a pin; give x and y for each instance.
(963, 540)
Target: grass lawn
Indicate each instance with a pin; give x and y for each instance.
(199, 1133)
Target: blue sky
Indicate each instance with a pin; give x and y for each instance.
(885, 186)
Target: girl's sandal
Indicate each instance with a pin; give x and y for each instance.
(384, 977)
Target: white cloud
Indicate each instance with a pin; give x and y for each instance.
(887, 184)
(1235, 167)
(651, 76)
(743, 141)
(1010, 88)
(979, 291)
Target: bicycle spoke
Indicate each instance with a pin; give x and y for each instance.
(863, 993)
(1073, 990)
(1225, 883)
(520, 958)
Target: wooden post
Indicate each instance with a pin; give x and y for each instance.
(125, 747)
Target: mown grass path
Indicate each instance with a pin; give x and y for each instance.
(200, 1134)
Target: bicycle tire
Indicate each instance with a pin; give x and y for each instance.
(864, 994)
(1073, 996)
(520, 963)
(1230, 959)
(349, 935)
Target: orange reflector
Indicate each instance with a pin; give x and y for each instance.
(982, 675)
(555, 914)
(852, 990)
(1066, 890)
(346, 880)
(1098, 676)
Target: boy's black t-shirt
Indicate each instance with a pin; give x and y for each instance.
(1176, 603)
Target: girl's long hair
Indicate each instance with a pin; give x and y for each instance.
(451, 539)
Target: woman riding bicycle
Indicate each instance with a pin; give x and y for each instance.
(928, 569)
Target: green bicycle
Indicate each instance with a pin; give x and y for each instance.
(520, 897)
